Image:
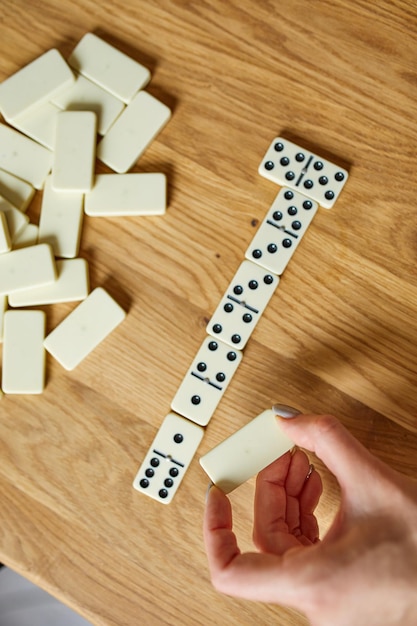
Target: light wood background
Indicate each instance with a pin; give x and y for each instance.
(339, 335)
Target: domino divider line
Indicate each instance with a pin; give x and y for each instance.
(230, 327)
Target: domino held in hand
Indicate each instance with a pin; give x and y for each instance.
(289, 165)
(246, 452)
(168, 458)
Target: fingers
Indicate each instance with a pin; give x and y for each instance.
(299, 469)
(310, 496)
(355, 468)
(254, 576)
(270, 496)
(220, 541)
(284, 502)
(270, 528)
(309, 499)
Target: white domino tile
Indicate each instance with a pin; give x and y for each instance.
(246, 452)
(23, 369)
(26, 237)
(5, 239)
(84, 328)
(23, 157)
(72, 284)
(168, 458)
(287, 164)
(15, 190)
(60, 220)
(132, 132)
(26, 267)
(85, 95)
(16, 220)
(127, 194)
(34, 84)
(39, 124)
(107, 66)
(281, 231)
(242, 305)
(3, 309)
(206, 381)
(74, 157)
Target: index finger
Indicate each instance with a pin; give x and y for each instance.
(359, 473)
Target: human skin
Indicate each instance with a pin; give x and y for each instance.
(363, 572)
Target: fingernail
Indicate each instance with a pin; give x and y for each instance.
(285, 411)
(210, 485)
(310, 471)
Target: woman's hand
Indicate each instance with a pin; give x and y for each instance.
(364, 571)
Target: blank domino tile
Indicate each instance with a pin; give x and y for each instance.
(3, 309)
(17, 191)
(34, 84)
(85, 95)
(60, 220)
(5, 240)
(132, 132)
(168, 458)
(16, 220)
(83, 329)
(26, 237)
(246, 452)
(23, 157)
(75, 143)
(127, 194)
(27, 267)
(110, 68)
(71, 285)
(39, 124)
(23, 352)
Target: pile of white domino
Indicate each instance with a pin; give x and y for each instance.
(306, 181)
(60, 116)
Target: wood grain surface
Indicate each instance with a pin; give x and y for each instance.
(339, 335)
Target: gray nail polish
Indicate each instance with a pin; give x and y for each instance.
(285, 411)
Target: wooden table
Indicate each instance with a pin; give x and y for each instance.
(338, 336)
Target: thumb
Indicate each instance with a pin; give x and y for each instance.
(355, 468)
